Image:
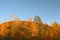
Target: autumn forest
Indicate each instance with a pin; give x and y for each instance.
(29, 30)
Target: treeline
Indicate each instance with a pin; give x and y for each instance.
(29, 30)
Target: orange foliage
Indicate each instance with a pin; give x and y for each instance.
(21, 27)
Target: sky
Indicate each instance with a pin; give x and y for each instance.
(48, 10)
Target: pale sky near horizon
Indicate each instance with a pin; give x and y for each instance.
(48, 10)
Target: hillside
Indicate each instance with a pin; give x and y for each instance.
(29, 30)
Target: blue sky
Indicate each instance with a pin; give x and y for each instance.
(48, 10)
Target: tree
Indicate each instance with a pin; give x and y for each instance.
(30, 19)
(43, 30)
(24, 32)
(37, 19)
(56, 28)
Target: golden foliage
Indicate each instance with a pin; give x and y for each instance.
(29, 29)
